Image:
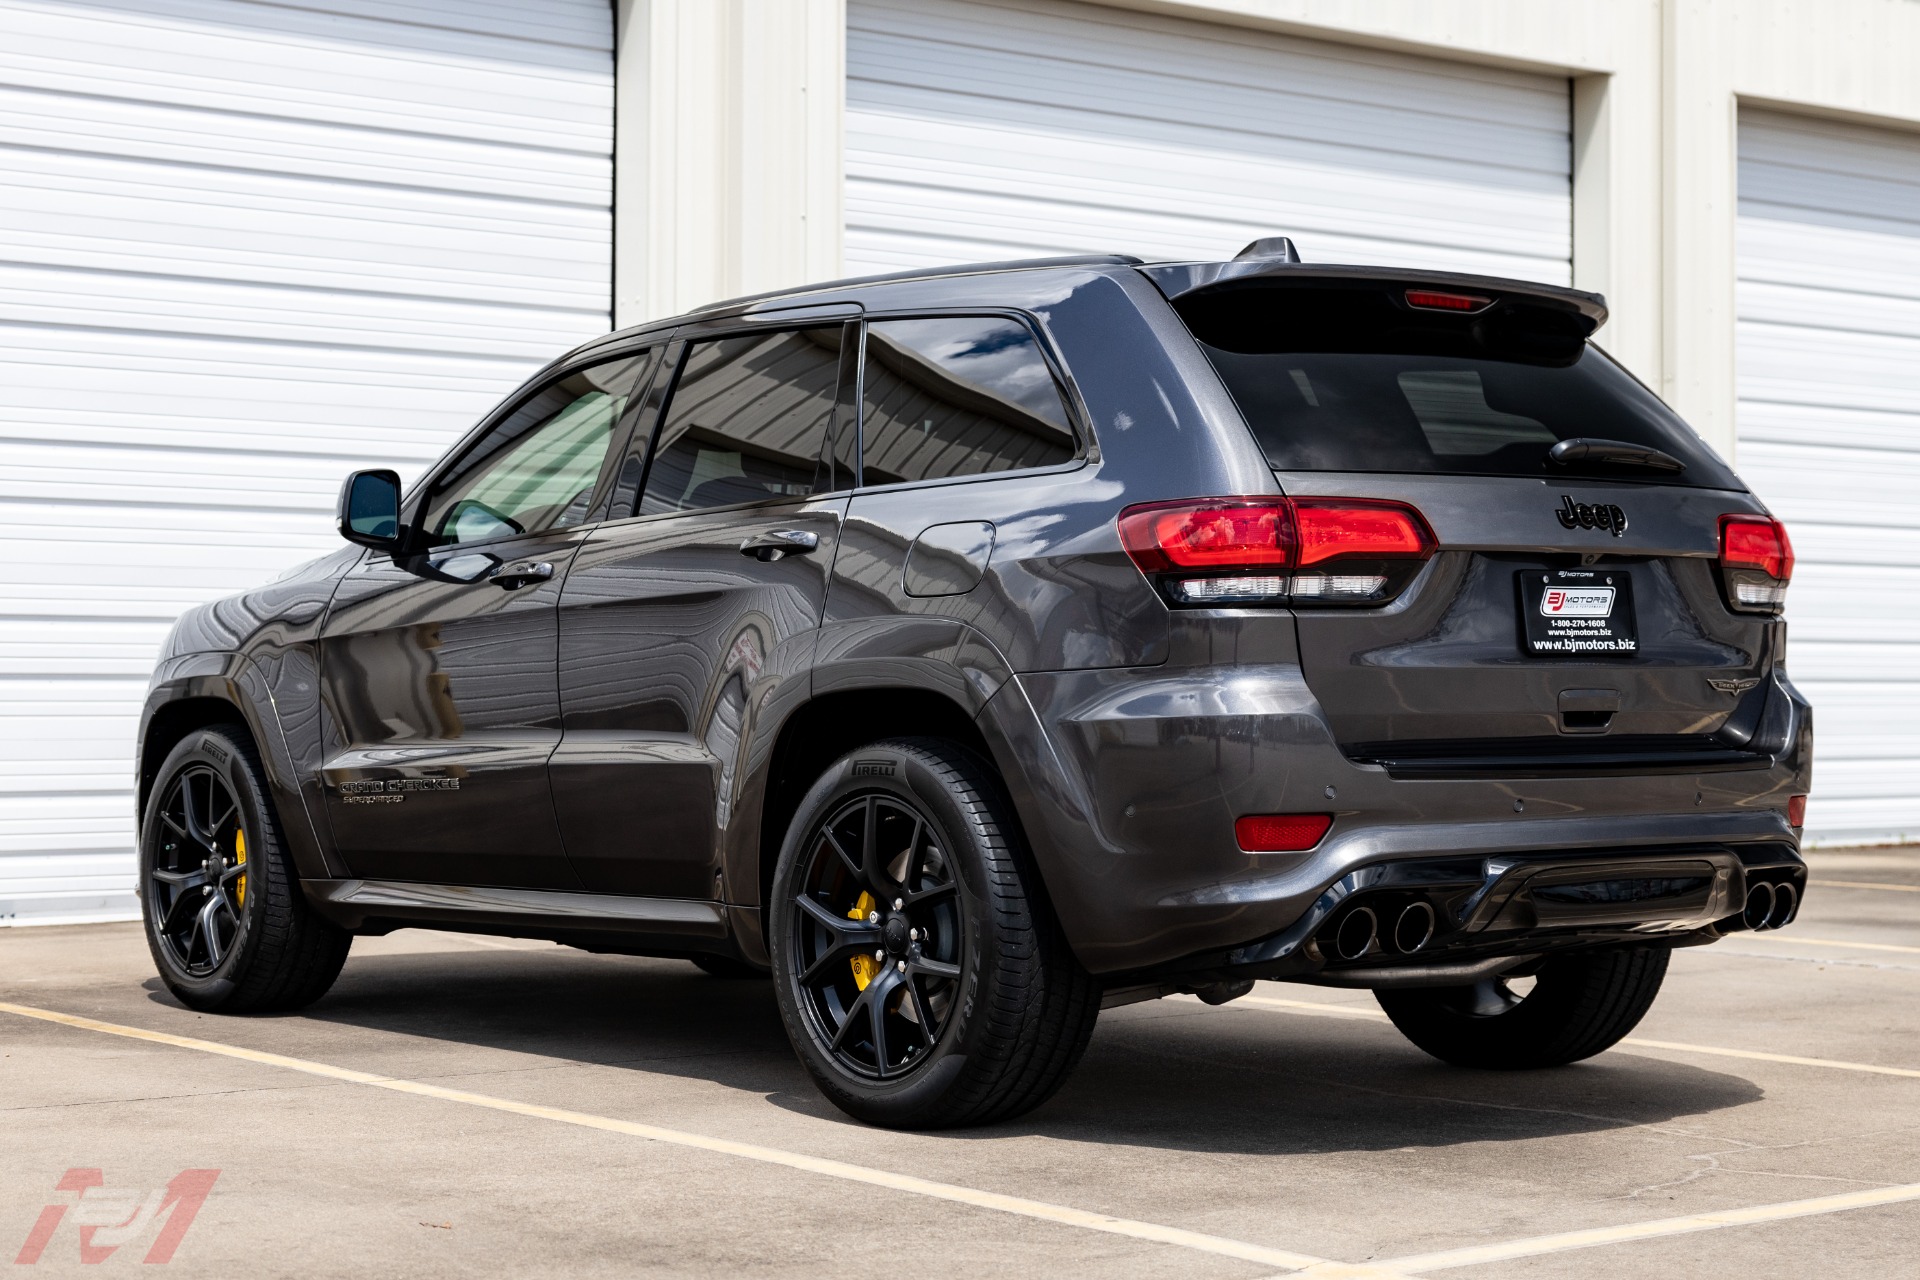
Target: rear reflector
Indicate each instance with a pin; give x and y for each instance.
(1796, 811)
(1432, 300)
(1281, 832)
(1756, 563)
(1227, 551)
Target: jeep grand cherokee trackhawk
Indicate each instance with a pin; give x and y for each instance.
(973, 649)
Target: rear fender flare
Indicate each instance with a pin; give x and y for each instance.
(915, 656)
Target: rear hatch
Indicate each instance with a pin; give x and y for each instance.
(1573, 611)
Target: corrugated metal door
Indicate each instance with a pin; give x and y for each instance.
(248, 247)
(985, 129)
(1829, 435)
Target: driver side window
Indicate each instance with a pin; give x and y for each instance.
(537, 469)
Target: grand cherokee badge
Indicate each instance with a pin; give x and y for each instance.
(391, 790)
(1598, 515)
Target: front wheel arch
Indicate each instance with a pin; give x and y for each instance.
(172, 722)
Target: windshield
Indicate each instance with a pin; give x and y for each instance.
(1372, 387)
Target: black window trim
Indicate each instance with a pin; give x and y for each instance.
(1086, 449)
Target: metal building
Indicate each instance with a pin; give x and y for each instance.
(247, 245)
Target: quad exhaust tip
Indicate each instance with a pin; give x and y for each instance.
(1762, 905)
(1785, 903)
(1414, 929)
(1356, 934)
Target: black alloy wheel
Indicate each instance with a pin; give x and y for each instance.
(920, 974)
(226, 921)
(876, 939)
(198, 881)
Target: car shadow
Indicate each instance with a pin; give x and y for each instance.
(1175, 1075)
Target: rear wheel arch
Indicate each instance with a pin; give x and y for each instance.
(827, 727)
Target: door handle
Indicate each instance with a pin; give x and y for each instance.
(777, 543)
(522, 573)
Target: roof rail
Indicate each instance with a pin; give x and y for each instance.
(925, 273)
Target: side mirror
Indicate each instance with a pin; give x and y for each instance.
(370, 510)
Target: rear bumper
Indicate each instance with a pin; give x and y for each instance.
(1429, 921)
(1128, 783)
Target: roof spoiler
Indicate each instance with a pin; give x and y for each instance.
(1275, 258)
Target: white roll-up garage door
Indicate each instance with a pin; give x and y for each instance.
(248, 247)
(989, 129)
(1829, 436)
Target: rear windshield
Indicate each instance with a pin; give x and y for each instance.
(1353, 380)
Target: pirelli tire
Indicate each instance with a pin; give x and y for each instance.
(226, 923)
(919, 971)
(1580, 1004)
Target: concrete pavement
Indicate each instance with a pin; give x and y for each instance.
(572, 1114)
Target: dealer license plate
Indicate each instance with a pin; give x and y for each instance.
(1578, 613)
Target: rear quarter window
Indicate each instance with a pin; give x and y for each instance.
(948, 396)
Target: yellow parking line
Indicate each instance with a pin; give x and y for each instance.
(1631, 1231)
(1865, 884)
(1020, 1206)
(1832, 1064)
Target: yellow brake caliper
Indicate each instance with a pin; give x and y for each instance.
(864, 965)
(240, 859)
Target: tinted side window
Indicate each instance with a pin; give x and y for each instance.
(748, 421)
(538, 467)
(958, 396)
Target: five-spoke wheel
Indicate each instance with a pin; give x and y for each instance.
(198, 881)
(876, 935)
(921, 982)
(226, 922)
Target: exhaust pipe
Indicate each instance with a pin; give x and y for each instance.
(1414, 929)
(1759, 909)
(1785, 903)
(1355, 937)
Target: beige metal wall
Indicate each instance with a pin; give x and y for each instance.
(728, 170)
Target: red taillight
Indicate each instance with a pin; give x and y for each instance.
(1340, 551)
(1433, 300)
(1796, 811)
(1755, 542)
(1332, 528)
(1226, 533)
(1281, 832)
(1756, 562)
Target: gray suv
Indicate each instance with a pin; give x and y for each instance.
(975, 649)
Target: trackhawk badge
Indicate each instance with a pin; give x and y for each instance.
(1596, 515)
(1734, 687)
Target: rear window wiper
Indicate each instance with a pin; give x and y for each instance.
(1585, 451)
